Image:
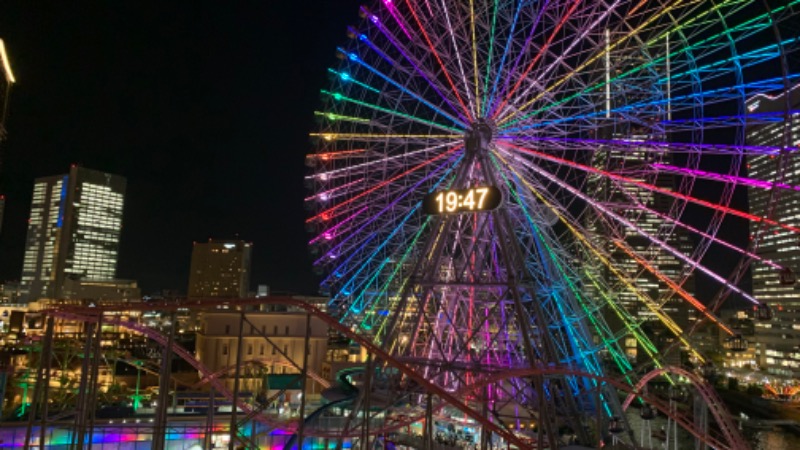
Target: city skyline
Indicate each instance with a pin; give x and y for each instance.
(205, 112)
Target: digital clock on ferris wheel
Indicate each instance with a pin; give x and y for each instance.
(452, 201)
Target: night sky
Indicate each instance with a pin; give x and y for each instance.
(205, 107)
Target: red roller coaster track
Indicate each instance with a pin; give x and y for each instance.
(728, 429)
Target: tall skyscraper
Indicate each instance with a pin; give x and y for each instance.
(73, 232)
(777, 339)
(6, 80)
(220, 268)
(653, 206)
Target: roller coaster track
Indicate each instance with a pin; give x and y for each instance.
(706, 391)
(728, 429)
(92, 314)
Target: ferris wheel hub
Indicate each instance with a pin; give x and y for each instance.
(478, 137)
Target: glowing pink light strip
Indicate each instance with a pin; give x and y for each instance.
(715, 239)
(653, 188)
(522, 78)
(659, 146)
(325, 214)
(332, 190)
(439, 59)
(752, 182)
(397, 18)
(390, 36)
(328, 234)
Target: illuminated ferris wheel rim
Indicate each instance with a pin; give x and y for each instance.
(424, 59)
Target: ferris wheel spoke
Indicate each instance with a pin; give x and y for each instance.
(353, 57)
(456, 51)
(660, 244)
(363, 169)
(686, 259)
(715, 68)
(676, 103)
(489, 56)
(727, 121)
(383, 294)
(623, 314)
(407, 54)
(334, 192)
(675, 287)
(588, 62)
(338, 97)
(654, 147)
(580, 34)
(725, 178)
(541, 52)
(506, 48)
(653, 188)
(351, 235)
(714, 239)
(441, 64)
(590, 311)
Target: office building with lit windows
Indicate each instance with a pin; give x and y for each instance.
(777, 339)
(650, 212)
(220, 268)
(73, 231)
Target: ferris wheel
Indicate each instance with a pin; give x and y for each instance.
(518, 183)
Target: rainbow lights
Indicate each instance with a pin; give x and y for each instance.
(606, 122)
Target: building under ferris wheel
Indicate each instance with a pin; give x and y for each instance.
(619, 127)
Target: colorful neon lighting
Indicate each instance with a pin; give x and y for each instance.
(685, 258)
(439, 60)
(627, 320)
(672, 285)
(367, 136)
(344, 76)
(382, 184)
(540, 52)
(397, 45)
(591, 60)
(653, 188)
(333, 117)
(751, 182)
(343, 98)
(353, 57)
(648, 146)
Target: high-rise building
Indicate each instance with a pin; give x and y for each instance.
(220, 268)
(73, 231)
(6, 80)
(777, 339)
(649, 216)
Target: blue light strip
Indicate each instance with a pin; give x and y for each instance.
(349, 285)
(63, 202)
(635, 106)
(353, 57)
(418, 70)
(492, 97)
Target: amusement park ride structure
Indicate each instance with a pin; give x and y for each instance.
(398, 393)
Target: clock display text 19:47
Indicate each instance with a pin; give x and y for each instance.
(478, 198)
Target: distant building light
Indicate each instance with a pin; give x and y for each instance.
(229, 245)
